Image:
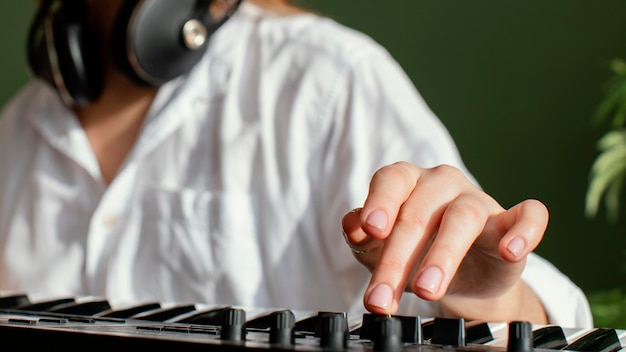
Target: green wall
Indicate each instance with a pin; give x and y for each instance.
(15, 17)
(515, 82)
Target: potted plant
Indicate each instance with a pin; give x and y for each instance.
(606, 183)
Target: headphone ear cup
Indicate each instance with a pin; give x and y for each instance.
(37, 51)
(148, 38)
(63, 51)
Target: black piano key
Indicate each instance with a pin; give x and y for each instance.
(477, 332)
(84, 308)
(427, 329)
(311, 325)
(132, 311)
(411, 327)
(166, 314)
(598, 340)
(13, 301)
(213, 317)
(550, 338)
(46, 305)
(262, 322)
(449, 332)
(307, 325)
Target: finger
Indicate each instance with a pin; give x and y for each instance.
(416, 223)
(389, 189)
(523, 227)
(357, 239)
(393, 268)
(461, 224)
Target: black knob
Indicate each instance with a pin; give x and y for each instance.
(282, 325)
(411, 327)
(334, 332)
(234, 325)
(388, 335)
(520, 337)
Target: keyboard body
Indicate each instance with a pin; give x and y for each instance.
(92, 323)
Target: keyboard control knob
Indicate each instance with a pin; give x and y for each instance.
(234, 325)
(282, 328)
(388, 335)
(520, 337)
(334, 333)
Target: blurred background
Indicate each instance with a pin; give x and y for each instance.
(515, 82)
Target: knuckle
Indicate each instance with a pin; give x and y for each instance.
(391, 265)
(412, 220)
(467, 209)
(446, 172)
(535, 206)
(447, 254)
(538, 217)
(399, 171)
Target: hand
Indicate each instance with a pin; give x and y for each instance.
(432, 232)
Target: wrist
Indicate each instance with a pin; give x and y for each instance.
(520, 303)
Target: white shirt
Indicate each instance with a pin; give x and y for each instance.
(234, 192)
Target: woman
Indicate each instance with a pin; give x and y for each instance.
(229, 183)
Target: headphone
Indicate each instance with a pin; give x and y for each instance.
(153, 42)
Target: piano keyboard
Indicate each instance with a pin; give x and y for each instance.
(73, 323)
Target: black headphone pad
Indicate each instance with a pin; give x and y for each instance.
(78, 55)
(147, 40)
(63, 51)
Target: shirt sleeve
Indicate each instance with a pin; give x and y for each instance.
(564, 302)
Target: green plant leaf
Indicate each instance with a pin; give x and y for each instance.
(608, 158)
(600, 181)
(616, 95)
(606, 177)
(612, 139)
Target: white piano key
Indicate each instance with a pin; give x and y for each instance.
(499, 331)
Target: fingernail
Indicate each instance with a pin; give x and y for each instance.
(381, 296)
(377, 219)
(430, 279)
(516, 246)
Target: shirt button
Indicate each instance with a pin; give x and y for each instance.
(109, 220)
